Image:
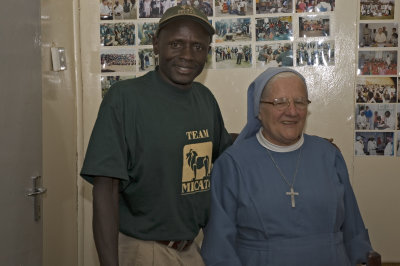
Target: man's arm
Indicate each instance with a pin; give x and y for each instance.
(106, 219)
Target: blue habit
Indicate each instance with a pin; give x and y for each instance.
(253, 223)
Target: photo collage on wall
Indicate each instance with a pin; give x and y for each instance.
(249, 34)
(377, 92)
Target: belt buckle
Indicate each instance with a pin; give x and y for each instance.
(182, 245)
(171, 244)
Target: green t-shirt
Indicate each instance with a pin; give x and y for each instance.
(160, 141)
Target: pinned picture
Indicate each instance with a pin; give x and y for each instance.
(378, 35)
(377, 63)
(154, 8)
(107, 81)
(146, 32)
(117, 34)
(314, 26)
(314, 6)
(274, 29)
(204, 5)
(231, 30)
(377, 9)
(321, 53)
(375, 117)
(147, 60)
(274, 6)
(118, 60)
(274, 54)
(233, 56)
(398, 144)
(376, 90)
(124, 9)
(373, 143)
(398, 116)
(233, 7)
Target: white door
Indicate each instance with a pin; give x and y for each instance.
(20, 133)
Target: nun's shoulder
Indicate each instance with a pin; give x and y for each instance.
(319, 143)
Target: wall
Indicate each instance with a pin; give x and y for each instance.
(331, 90)
(60, 226)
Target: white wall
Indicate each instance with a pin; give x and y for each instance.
(331, 91)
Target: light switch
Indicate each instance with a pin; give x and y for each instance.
(58, 58)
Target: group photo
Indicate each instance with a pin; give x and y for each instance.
(117, 34)
(274, 6)
(377, 9)
(233, 8)
(315, 53)
(146, 32)
(230, 30)
(377, 63)
(118, 60)
(274, 29)
(378, 35)
(315, 6)
(373, 143)
(314, 26)
(274, 54)
(376, 90)
(154, 8)
(118, 9)
(235, 56)
(375, 117)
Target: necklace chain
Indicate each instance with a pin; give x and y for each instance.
(292, 193)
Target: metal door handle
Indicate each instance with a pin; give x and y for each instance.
(38, 191)
(34, 192)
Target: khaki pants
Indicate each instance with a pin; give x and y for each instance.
(136, 252)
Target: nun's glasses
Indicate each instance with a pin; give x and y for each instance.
(282, 104)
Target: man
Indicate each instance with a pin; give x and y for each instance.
(286, 57)
(151, 150)
(380, 37)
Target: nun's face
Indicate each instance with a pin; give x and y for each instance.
(284, 126)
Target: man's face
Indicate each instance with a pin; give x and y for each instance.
(182, 46)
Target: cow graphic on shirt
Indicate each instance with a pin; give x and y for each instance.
(196, 168)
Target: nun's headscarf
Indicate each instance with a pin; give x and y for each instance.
(253, 100)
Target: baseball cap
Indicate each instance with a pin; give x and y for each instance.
(185, 11)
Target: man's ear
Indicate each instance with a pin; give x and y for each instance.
(155, 44)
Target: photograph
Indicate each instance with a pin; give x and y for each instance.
(398, 144)
(231, 30)
(274, 54)
(147, 59)
(377, 63)
(233, 56)
(204, 5)
(106, 10)
(117, 34)
(118, 60)
(124, 9)
(375, 117)
(378, 35)
(398, 116)
(376, 90)
(107, 81)
(233, 8)
(154, 8)
(274, 29)
(274, 6)
(373, 143)
(315, 53)
(377, 9)
(314, 6)
(398, 91)
(314, 26)
(146, 32)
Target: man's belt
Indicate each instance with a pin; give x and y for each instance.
(178, 245)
